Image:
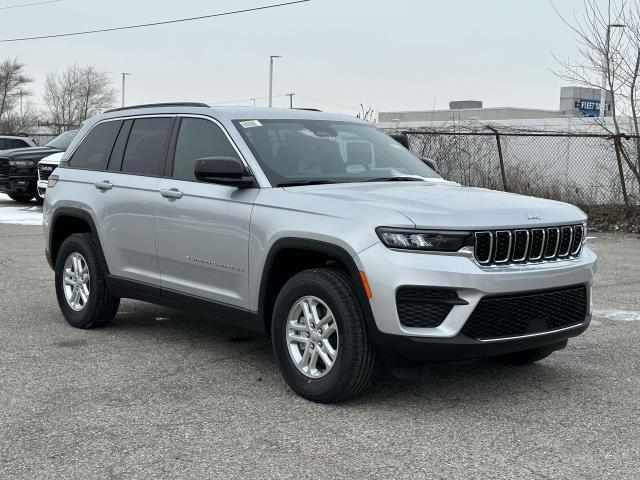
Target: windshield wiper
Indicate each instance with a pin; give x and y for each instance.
(304, 182)
(395, 179)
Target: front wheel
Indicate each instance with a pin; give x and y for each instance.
(320, 337)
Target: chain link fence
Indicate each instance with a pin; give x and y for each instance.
(580, 168)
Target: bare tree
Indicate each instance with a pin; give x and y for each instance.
(21, 119)
(366, 114)
(13, 82)
(609, 52)
(76, 94)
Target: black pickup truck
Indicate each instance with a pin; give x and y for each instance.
(19, 167)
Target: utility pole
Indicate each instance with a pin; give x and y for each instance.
(271, 57)
(124, 78)
(21, 110)
(290, 95)
(605, 67)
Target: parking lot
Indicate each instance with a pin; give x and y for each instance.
(164, 394)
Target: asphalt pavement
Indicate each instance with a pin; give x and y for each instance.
(167, 394)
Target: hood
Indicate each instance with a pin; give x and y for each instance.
(449, 205)
(28, 153)
(54, 159)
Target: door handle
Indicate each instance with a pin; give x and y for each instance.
(104, 185)
(172, 193)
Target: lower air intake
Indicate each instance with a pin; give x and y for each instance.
(526, 313)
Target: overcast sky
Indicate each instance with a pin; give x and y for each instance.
(387, 54)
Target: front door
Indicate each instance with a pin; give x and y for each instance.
(202, 229)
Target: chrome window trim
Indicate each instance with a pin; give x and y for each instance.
(526, 247)
(226, 133)
(69, 154)
(506, 260)
(555, 251)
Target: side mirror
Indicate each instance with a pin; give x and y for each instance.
(224, 171)
(431, 164)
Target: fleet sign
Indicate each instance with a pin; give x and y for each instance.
(589, 108)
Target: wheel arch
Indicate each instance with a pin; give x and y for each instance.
(67, 221)
(272, 280)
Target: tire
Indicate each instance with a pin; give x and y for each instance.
(354, 361)
(21, 197)
(100, 307)
(39, 198)
(529, 356)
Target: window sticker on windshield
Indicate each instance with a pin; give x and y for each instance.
(250, 123)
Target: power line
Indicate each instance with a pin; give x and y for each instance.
(153, 24)
(29, 4)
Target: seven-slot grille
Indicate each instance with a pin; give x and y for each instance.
(4, 167)
(45, 170)
(503, 247)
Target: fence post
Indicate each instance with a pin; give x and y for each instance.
(618, 145)
(501, 158)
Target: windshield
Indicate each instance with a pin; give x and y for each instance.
(63, 140)
(319, 151)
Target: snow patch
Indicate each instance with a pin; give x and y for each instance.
(19, 214)
(622, 315)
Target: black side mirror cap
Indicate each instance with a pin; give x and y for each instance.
(430, 163)
(223, 171)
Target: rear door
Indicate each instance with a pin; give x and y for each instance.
(125, 197)
(202, 229)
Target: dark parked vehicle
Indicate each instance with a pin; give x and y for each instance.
(16, 141)
(19, 167)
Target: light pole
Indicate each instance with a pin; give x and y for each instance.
(271, 57)
(605, 67)
(124, 77)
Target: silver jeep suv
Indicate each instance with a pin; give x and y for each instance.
(317, 229)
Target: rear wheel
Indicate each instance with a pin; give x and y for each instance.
(529, 356)
(320, 337)
(81, 287)
(21, 197)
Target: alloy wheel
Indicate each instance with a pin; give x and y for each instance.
(312, 337)
(76, 281)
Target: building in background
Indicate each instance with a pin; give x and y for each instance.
(575, 102)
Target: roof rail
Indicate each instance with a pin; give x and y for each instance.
(149, 105)
(308, 109)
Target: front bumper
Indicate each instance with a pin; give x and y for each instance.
(388, 270)
(16, 184)
(461, 347)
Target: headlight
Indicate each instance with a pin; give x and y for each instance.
(425, 240)
(21, 163)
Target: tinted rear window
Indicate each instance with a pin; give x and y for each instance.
(93, 152)
(147, 146)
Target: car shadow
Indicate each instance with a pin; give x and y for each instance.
(474, 382)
